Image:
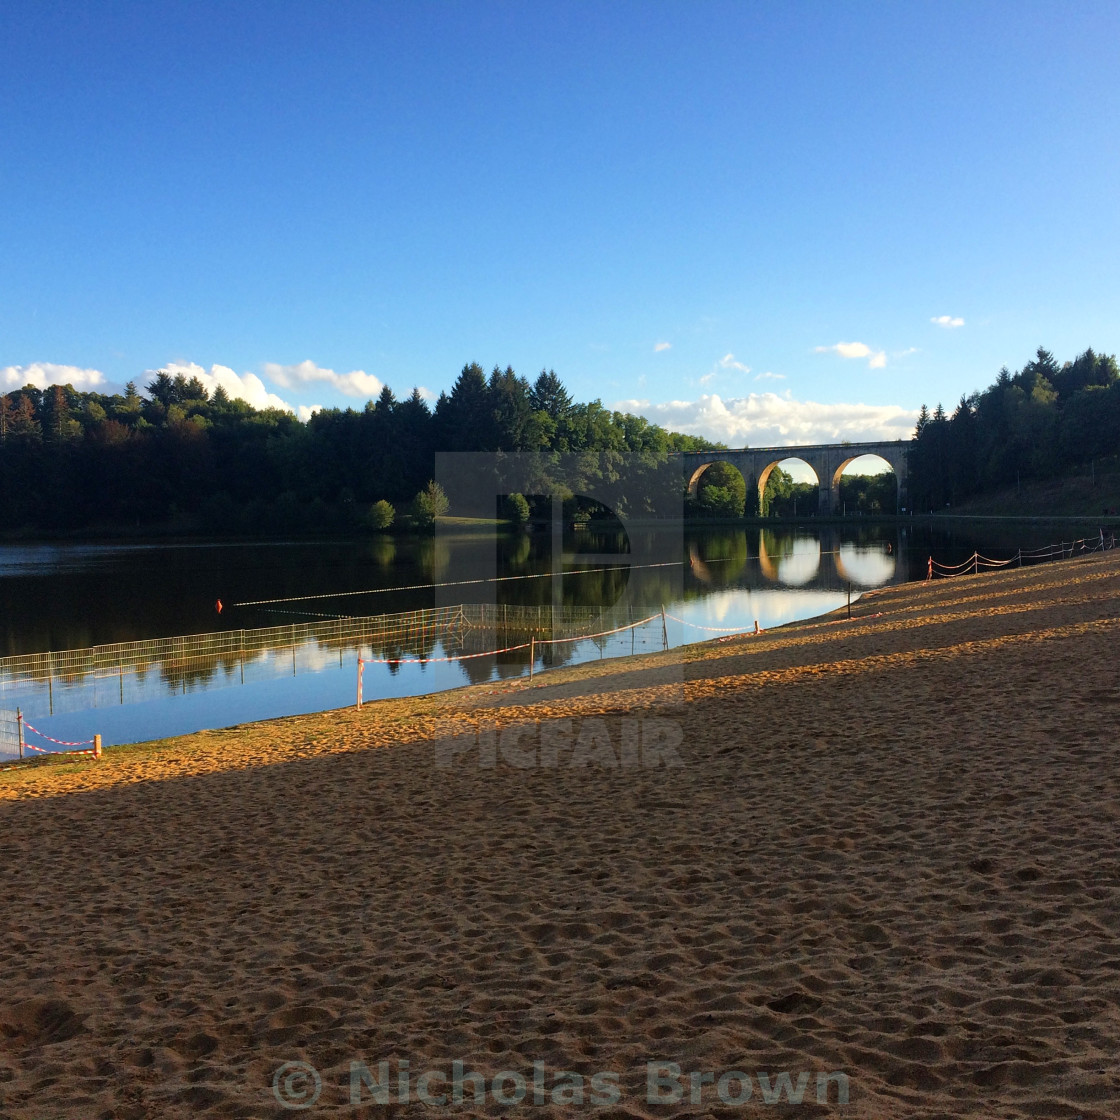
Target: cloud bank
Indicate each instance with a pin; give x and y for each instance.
(246, 386)
(356, 383)
(42, 374)
(878, 358)
(770, 420)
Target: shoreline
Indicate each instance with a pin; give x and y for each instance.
(475, 697)
(466, 527)
(889, 852)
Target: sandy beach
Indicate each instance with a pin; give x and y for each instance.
(879, 856)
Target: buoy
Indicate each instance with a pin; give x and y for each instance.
(218, 606)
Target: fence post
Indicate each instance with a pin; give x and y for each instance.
(664, 629)
(976, 563)
(361, 665)
(97, 746)
(19, 731)
(532, 653)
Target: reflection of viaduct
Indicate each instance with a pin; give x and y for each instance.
(827, 460)
(805, 562)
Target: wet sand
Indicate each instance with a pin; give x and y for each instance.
(890, 853)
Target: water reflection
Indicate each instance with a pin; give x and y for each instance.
(797, 558)
(67, 597)
(865, 565)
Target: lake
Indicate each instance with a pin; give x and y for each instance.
(709, 581)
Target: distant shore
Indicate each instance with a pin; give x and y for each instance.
(169, 533)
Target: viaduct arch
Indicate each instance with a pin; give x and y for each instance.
(828, 460)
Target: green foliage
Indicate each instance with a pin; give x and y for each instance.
(782, 497)
(429, 504)
(721, 492)
(517, 508)
(1036, 424)
(139, 458)
(381, 515)
(869, 493)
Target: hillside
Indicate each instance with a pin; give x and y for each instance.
(1087, 493)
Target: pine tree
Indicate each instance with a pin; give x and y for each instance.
(549, 395)
(58, 416)
(25, 423)
(162, 388)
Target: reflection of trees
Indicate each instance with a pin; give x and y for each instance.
(434, 554)
(517, 551)
(615, 596)
(381, 550)
(718, 558)
(506, 666)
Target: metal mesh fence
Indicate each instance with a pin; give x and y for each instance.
(130, 672)
(9, 735)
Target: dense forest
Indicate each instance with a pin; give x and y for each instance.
(1033, 425)
(174, 454)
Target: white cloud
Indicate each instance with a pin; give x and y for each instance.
(306, 411)
(768, 376)
(770, 420)
(878, 358)
(42, 374)
(728, 362)
(662, 346)
(947, 321)
(356, 383)
(708, 378)
(247, 386)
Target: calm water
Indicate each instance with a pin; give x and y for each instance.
(56, 597)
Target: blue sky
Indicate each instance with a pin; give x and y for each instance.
(765, 223)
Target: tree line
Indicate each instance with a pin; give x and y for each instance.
(176, 453)
(1035, 424)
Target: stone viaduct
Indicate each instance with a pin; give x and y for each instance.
(827, 460)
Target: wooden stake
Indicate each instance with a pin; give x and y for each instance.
(532, 653)
(97, 746)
